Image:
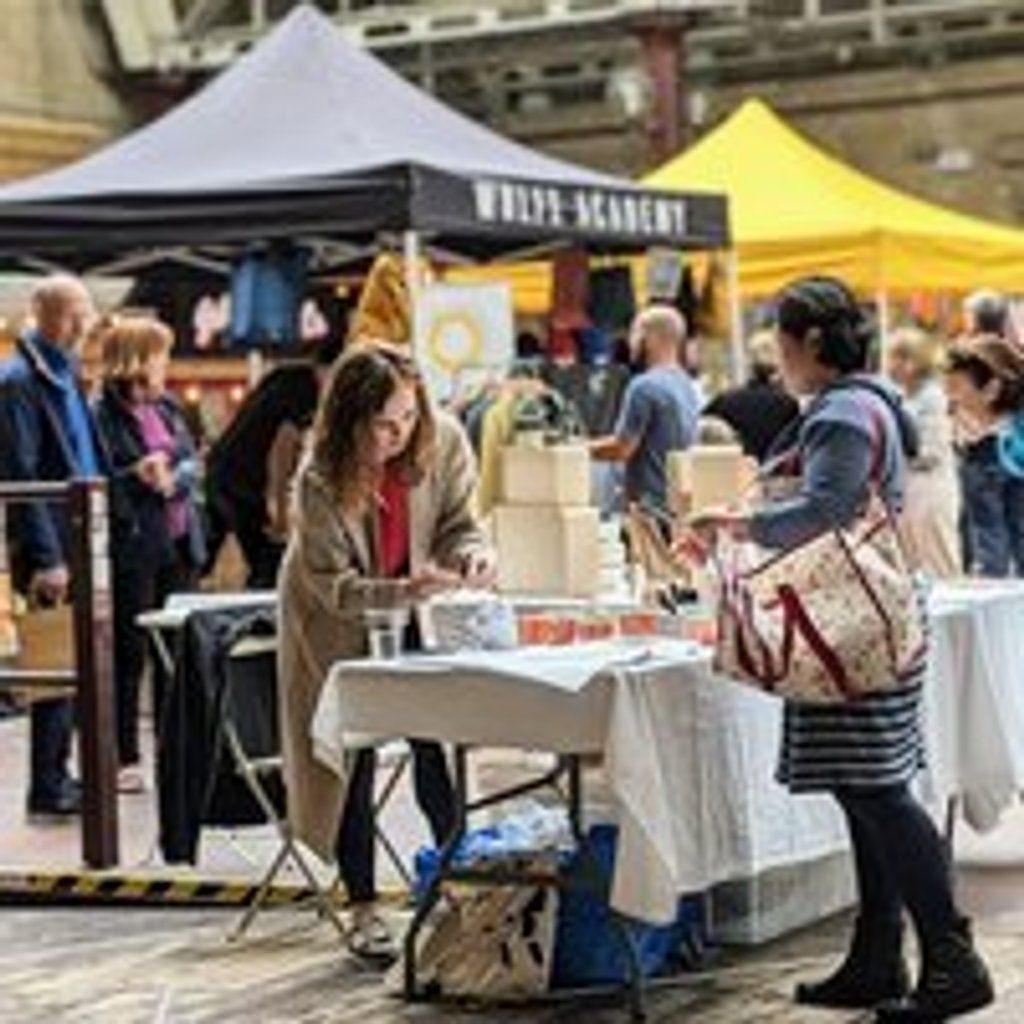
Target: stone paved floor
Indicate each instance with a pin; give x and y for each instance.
(173, 966)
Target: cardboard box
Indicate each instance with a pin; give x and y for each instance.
(559, 475)
(45, 640)
(708, 476)
(547, 551)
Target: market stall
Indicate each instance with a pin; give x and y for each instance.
(311, 142)
(796, 210)
(689, 757)
(310, 139)
(300, 163)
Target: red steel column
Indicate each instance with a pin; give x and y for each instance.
(662, 44)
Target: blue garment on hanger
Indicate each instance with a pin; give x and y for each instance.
(267, 288)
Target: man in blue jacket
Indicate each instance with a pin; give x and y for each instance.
(47, 433)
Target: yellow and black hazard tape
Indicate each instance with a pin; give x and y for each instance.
(104, 887)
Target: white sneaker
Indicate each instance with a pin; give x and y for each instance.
(370, 938)
(130, 779)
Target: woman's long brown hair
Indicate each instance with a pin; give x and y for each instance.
(362, 381)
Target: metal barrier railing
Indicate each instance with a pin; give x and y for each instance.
(92, 676)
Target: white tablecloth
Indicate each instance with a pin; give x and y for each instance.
(974, 700)
(690, 759)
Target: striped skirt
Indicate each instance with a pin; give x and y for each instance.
(875, 742)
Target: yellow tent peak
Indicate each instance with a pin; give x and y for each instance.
(795, 208)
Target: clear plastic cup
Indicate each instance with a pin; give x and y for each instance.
(385, 632)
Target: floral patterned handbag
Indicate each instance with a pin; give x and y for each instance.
(833, 620)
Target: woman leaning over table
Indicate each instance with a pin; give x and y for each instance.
(864, 754)
(382, 516)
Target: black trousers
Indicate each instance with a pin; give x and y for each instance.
(52, 722)
(901, 859)
(356, 845)
(140, 585)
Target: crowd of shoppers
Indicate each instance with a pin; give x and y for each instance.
(382, 514)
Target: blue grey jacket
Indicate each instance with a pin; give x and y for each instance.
(851, 432)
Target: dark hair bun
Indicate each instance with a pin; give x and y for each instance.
(828, 307)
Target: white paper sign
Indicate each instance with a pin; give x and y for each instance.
(463, 331)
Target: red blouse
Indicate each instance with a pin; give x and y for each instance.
(393, 524)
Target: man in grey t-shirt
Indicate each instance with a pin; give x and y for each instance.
(659, 409)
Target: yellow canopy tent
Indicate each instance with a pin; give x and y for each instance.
(797, 210)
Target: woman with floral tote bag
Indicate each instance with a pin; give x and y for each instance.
(864, 752)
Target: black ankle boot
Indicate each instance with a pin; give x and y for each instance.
(874, 970)
(954, 980)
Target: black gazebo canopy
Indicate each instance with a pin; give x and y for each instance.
(308, 137)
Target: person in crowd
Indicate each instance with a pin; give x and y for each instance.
(382, 516)
(690, 356)
(90, 361)
(47, 433)
(865, 754)
(986, 312)
(238, 466)
(760, 409)
(985, 383)
(716, 432)
(157, 537)
(931, 508)
(659, 411)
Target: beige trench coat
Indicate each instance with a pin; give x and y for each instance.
(326, 581)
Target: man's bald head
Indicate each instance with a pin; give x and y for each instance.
(660, 332)
(62, 309)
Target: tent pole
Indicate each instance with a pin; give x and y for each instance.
(412, 254)
(739, 353)
(884, 324)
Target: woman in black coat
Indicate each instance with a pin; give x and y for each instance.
(157, 541)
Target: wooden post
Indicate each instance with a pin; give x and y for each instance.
(91, 586)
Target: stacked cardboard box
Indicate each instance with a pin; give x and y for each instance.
(708, 476)
(547, 532)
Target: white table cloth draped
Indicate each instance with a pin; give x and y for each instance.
(689, 758)
(974, 700)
